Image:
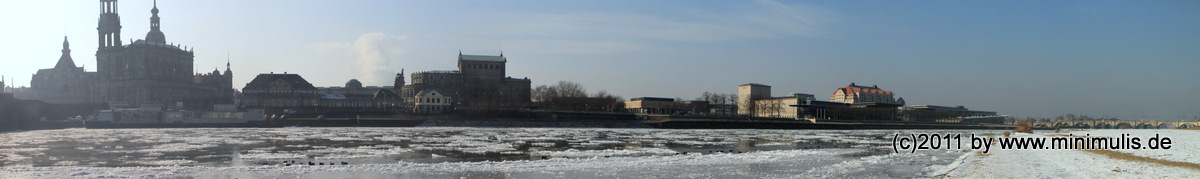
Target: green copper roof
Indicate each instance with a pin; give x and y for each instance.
(426, 91)
(486, 58)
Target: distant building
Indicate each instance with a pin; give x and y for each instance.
(748, 92)
(145, 73)
(776, 107)
(854, 94)
(949, 114)
(4, 87)
(480, 81)
(755, 100)
(431, 101)
(151, 71)
(354, 96)
(653, 105)
(284, 92)
(279, 91)
(65, 83)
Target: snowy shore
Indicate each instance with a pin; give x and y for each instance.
(1084, 164)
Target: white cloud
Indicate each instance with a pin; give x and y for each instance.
(372, 52)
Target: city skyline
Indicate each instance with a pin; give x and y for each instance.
(1030, 58)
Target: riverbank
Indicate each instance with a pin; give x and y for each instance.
(1178, 162)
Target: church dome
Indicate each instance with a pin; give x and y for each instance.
(353, 83)
(156, 36)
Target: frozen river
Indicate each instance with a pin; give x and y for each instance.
(464, 152)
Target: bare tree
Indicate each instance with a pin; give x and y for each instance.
(732, 99)
(609, 102)
(543, 93)
(570, 89)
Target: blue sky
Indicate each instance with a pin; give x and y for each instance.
(1125, 59)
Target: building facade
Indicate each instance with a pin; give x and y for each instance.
(479, 82)
(292, 93)
(151, 71)
(65, 83)
(147, 72)
(854, 94)
(279, 91)
(356, 97)
(653, 105)
(431, 101)
(749, 92)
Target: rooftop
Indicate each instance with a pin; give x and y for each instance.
(440, 71)
(652, 99)
(265, 80)
(485, 58)
(753, 84)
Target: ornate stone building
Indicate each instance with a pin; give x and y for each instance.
(292, 93)
(65, 83)
(151, 71)
(480, 81)
(279, 91)
(854, 94)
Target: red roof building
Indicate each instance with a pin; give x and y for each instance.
(854, 94)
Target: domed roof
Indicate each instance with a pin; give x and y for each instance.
(353, 83)
(156, 36)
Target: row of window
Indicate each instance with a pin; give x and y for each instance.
(483, 66)
(432, 100)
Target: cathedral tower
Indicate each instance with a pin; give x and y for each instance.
(110, 24)
(155, 35)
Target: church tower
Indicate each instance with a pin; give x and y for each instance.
(399, 82)
(109, 31)
(155, 35)
(65, 61)
(110, 24)
(228, 71)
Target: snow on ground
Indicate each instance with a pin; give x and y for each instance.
(1063, 163)
(1185, 144)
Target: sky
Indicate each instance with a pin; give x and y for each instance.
(1122, 59)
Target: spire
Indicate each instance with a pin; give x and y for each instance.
(65, 61)
(228, 71)
(155, 34)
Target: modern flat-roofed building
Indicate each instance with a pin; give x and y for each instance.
(755, 100)
(748, 92)
(653, 105)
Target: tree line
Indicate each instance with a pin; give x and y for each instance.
(566, 95)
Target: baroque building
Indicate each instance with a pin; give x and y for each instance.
(279, 91)
(854, 94)
(479, 82)
(151, 71)
(65, 83)
(290, 93)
